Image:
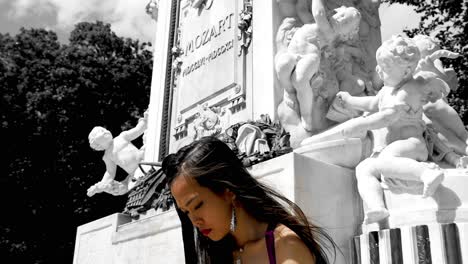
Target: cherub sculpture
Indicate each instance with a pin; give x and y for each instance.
(440, 114)
(401, 140)
(152, 9)
(370, 36)
(207, 122)
(298, 62)
(118, 151)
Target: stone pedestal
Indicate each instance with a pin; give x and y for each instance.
(449, 204)
(326, 193)
(431, 230)
(115, 239)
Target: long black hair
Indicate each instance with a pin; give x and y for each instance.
(214, 165)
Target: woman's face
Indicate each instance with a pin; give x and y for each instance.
(208, 211)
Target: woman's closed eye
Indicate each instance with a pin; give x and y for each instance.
(200, 204)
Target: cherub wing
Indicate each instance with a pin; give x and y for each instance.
(432, 80)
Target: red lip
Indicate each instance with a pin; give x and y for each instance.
(205, 232)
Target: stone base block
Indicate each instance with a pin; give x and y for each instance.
(116, 239)
(449, 204)
(326, 193)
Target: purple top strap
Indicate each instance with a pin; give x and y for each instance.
(270, 244)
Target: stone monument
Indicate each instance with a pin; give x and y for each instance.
(221, 65)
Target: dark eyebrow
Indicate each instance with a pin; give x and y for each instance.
(190, 201)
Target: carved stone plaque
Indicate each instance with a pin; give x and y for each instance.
(208, 39)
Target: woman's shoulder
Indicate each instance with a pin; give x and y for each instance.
(289, 246)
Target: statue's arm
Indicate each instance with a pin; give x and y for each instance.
(362, 103)
(302, 9)
(105, 185)
(383, 118)
(320, 15)
(111, 170)
(360, 125)
(377, 120)
(138, 130)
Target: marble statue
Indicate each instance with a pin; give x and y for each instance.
(304, 12)
(287, 8)
(440, 114)
(207, 122)
(349, 72)
(298, 9)
(370, 37)
(118, 151)
(324, 47)
(288, 109)
(152, 9)
(303, 68)
(402, 140)
(430, 60)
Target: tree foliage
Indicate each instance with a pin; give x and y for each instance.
(52, 96)
(447, 22)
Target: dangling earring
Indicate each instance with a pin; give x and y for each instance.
(233, 225)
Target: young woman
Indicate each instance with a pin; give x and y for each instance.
(229, 217)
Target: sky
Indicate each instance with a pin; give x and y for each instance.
(129, 19)
(395, 18)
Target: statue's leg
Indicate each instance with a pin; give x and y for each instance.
(284, 66)
(369, 188)
(399, 160)
(411, 170)
(447, 122)
(414, 148)
(306, 67)
(450, 139)
(288, 114)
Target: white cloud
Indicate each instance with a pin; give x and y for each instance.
(127, 17)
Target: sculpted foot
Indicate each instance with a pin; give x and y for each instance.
(431, 179)
(375, 215)
(91, 191)
(306, 125)
(462, 163)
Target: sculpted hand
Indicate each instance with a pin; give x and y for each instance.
(342, 98)
(145, 116)
(316, 82)
(426, 64)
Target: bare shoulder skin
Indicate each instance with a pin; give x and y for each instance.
(290, 249)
